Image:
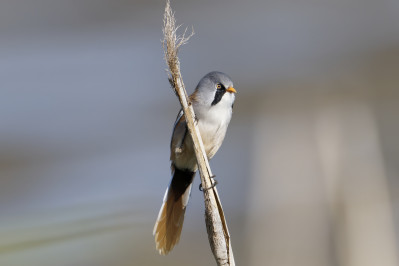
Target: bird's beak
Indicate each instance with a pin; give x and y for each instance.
(231, 90)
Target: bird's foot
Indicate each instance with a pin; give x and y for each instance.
(214, 183)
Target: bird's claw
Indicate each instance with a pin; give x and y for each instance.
(215, 182)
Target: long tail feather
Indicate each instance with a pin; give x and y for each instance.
(168, 227)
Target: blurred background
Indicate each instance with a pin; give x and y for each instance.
(308, 172)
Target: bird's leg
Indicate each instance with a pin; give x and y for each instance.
(214, 183)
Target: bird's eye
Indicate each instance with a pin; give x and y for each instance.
(218, 86)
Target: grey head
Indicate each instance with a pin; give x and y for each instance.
(213, 87)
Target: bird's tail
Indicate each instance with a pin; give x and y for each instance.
(169, 224)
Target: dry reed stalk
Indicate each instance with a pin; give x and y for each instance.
(218, 233)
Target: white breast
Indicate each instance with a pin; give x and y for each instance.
(213, 123)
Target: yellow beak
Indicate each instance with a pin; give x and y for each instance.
(231, 89)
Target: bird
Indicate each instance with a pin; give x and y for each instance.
(212, 101)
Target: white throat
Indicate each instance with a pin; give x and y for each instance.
(213, 122)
